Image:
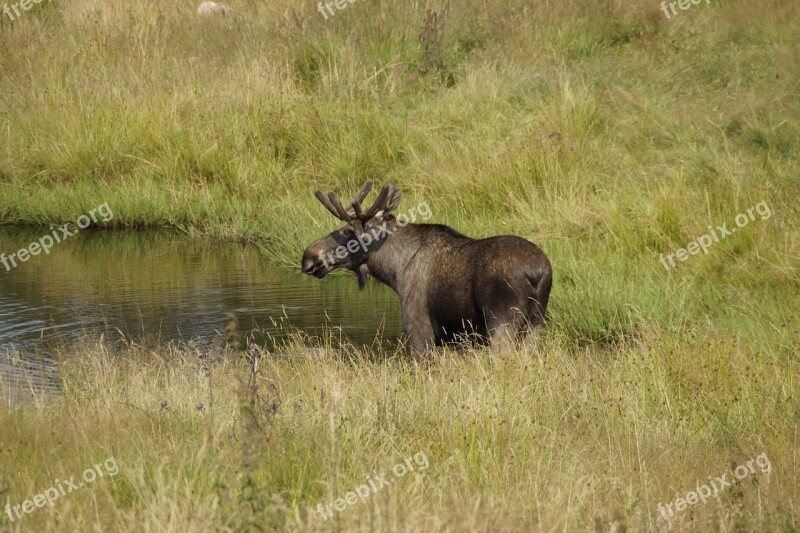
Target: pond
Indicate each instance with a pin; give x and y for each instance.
(145, 286)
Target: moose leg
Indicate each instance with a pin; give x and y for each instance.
(532, 332)
(538, 310)
(535, 320)
(419, 329)
(503, 329)
(422, 342)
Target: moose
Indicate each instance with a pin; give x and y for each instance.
(493, 290)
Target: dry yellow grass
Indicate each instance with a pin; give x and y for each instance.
(563, 439)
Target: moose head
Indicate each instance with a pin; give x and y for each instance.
(349, 245)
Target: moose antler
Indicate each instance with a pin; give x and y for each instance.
(334, 205)
(378, 205)
(327, 203)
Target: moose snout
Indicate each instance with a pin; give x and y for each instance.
(309, 263)
(313, 265)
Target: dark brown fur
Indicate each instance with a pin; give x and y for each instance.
(449, 284)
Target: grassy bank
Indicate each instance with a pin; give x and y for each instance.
(608, 125)
(570, 439)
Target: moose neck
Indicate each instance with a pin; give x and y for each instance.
(393, 256)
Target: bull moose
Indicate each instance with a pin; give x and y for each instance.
(450, 285)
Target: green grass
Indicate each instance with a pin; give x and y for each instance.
(602, 131)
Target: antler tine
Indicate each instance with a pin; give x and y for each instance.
(327, 203)
(380, 203)
(356, 204)
(343, 214)
(357, 209)
(363, 192)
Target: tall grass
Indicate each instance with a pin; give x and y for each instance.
(568, 439)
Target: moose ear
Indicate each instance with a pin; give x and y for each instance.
(393, 200)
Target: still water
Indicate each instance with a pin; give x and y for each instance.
(159, 286)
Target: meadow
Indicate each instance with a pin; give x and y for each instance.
(601, 130)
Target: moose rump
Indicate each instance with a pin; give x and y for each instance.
(489, 289)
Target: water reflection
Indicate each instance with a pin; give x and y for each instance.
(163, 287)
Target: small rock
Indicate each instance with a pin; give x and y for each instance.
(213, 9)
